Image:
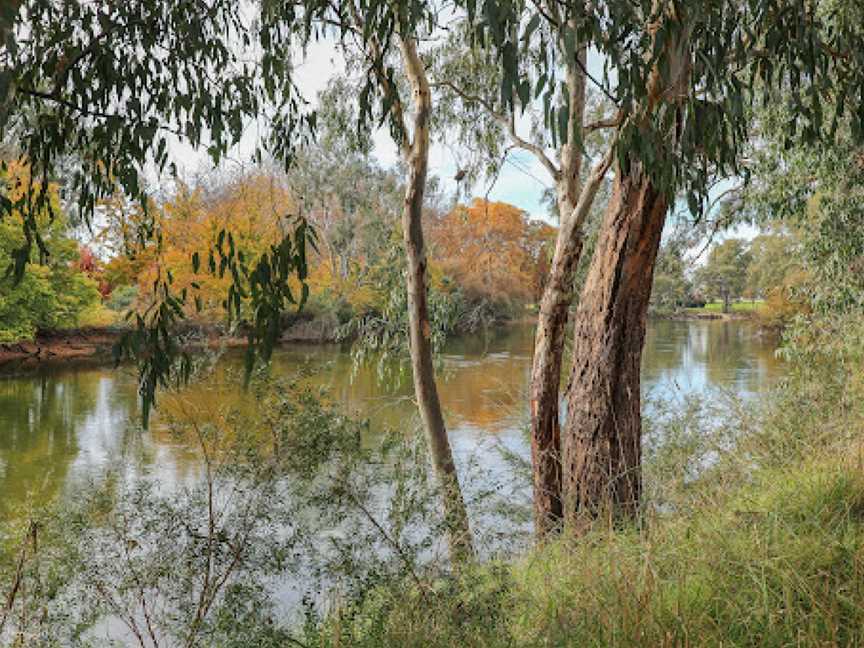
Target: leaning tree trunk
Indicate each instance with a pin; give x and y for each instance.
(548, 352)
(425, 389)
(602, 433)
(552, 318)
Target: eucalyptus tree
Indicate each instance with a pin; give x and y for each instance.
(383, 40)
(547, 112)
(682, 77)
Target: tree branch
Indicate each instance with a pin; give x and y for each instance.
(86, 112)
(609, 122)
(602, 87)
(589, 190)
(508, 124)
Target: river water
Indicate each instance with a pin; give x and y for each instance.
(64, 425)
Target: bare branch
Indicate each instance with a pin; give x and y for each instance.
(509, 124)
(609, 122)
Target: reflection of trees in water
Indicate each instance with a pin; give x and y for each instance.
(708, 354)
(733, 354)
(58, 425)
(55, 423)
(482, 377)
(485, 393)
(38, 419)
(487, 378)
(665, 346)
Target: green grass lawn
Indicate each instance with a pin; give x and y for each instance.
(735, 307)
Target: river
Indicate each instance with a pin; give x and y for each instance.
(64, 425)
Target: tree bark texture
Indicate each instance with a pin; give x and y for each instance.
(425, 389)
(552, 319)
(602, 434)
(548, 353)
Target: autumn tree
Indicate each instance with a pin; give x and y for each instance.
(491, 251)
(250, 207)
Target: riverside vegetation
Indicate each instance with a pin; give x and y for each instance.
(720, 523)
(751, 534)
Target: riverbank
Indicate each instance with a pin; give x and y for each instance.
(712, 311)
(694, 314)
(752, 535)
(97, 343)
(61, 345)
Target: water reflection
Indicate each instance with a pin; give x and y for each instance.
(62, 426)
(694, 356)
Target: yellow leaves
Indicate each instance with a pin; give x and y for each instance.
(251, 208)
(16, 180)
(491, 249)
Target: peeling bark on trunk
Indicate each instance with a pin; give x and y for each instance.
(602, 433)
(425, 390)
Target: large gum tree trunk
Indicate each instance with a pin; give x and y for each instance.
(603, 428)
(425, 388)
(548, 353)
(552, 320)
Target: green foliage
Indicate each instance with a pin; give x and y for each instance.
(724, 275)
(62, 92)
(382, 330)
(814, 193)
(775, 258)
(735, 54)
(49, 295)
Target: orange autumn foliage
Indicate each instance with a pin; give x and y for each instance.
(493, 250)
(251, 208)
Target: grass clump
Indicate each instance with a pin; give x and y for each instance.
(778, 564)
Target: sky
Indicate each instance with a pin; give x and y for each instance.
(521, 182)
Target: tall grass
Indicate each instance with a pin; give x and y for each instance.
(752, 535)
